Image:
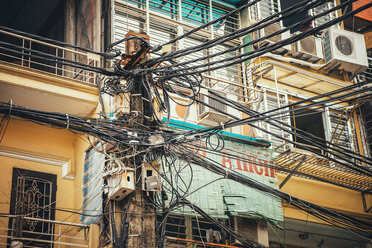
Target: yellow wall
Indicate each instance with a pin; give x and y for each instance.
(36, 141)
(324, 194)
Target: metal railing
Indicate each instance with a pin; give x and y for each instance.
(137, 16)
(58, 234)
(366, 76)
(39, 55)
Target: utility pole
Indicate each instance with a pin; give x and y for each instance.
(141, 214)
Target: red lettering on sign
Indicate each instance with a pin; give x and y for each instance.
(266, 168)
(239, 164)
(226, 160)
(245, 166)
(250, 164)
(258, 169)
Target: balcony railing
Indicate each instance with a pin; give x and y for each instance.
(366, 76)
(39, 55)
(57, 234)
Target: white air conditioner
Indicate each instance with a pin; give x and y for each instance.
(150, 177)
(344, 50)
(308, 48)
(120, 185)
(272, 28)
(209, 116)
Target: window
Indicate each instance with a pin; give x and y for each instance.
(263, 9)
(311, 122)
(191, 228)
(228, 25)
(165, 7)
(272, 100)
(192, 12)
(312, 12)
(195, 12)
(33, 194)
(325, 18)
(338, 128)
(268, 8)
(366, 110)
(161, 16)
(333, 125)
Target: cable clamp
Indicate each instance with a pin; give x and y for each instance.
(67, 122)
(156, 48)
(222, 125)
(11, 106)
(180, 137)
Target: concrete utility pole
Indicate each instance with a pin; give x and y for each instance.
(141, 215)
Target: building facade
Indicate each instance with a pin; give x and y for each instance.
(43, 167)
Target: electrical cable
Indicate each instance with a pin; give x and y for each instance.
(51, 41)
(298, 7)
(268, 48)
(325, 214)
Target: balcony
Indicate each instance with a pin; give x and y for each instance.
(31, 76)
(366, 76)
(42, 233)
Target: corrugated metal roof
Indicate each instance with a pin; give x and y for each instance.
(322, 169)
(243, 201)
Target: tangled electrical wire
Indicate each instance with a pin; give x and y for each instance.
(160, 79)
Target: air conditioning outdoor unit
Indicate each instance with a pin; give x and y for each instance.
(209, 116)
(344, 50)
(308, 48)
(120, 185)
(150, 177)
(272, 28)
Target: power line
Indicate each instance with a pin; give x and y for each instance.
(251, 55)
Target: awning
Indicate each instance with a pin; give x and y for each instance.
(276, 74)
(321, 169)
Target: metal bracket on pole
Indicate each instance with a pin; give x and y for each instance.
(292, 172)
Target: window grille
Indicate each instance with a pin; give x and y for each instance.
(269, 102)
(133, 15)
(33, 195)
(168, 8)
(263, 9)
(340, 129)
(320, 9)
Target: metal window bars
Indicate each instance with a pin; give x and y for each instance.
(42, 56)
(326, 18)
(133, 15)
(66, 234)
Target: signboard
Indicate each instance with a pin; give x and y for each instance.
(246, 158)
(221, 197)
